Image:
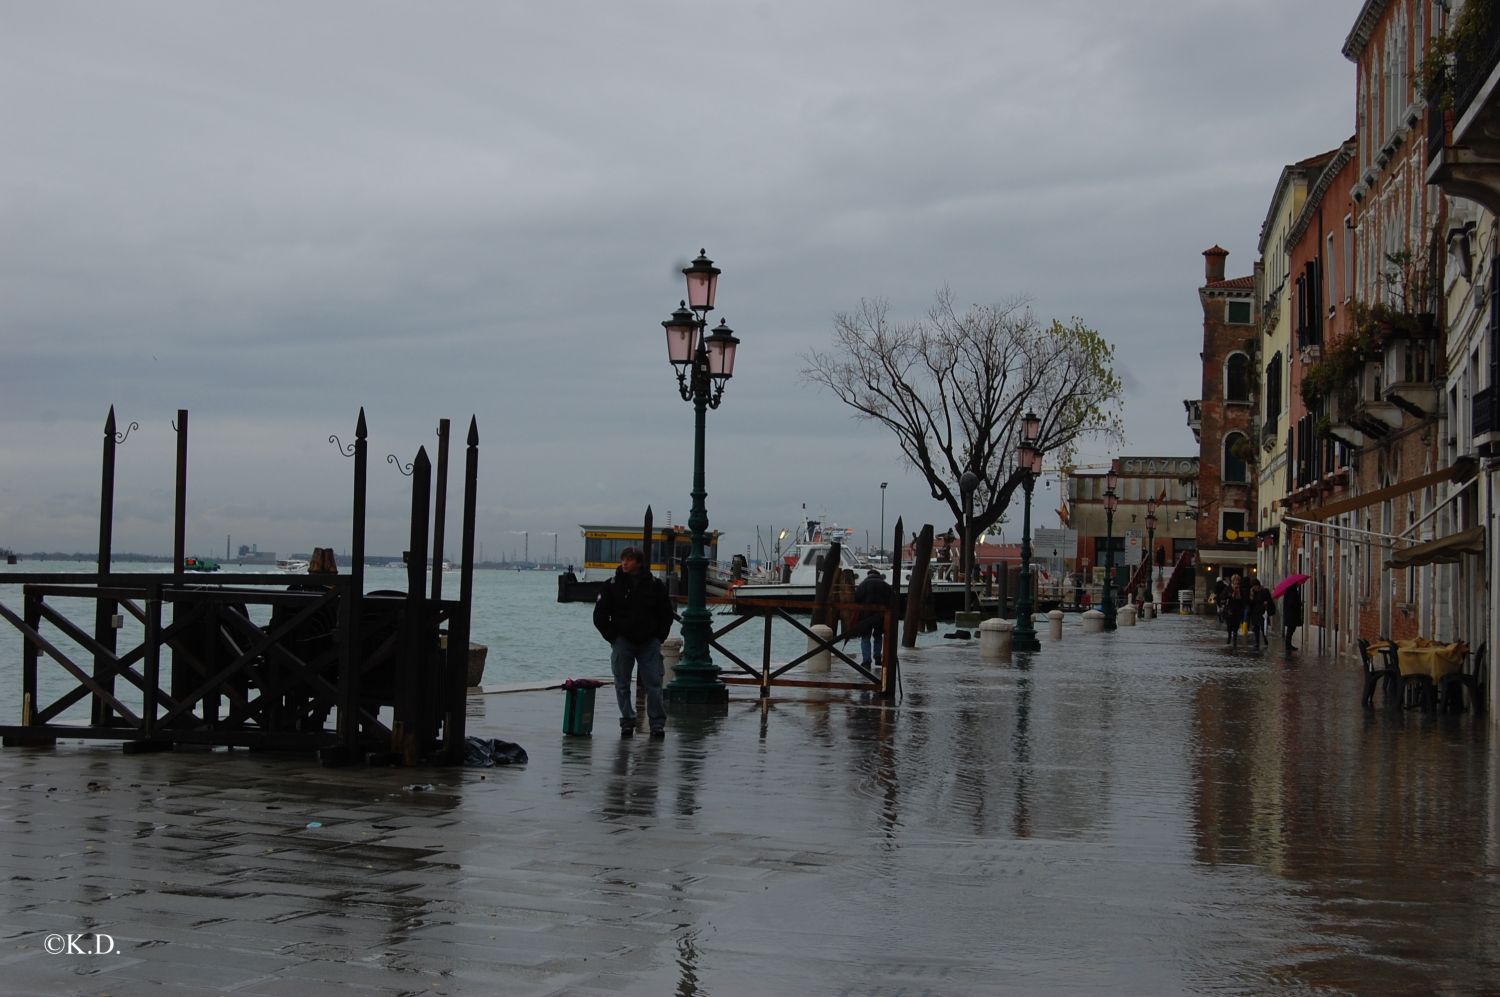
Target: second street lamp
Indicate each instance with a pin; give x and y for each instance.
(1111, 502)
(1151, 580)
(704, 365)
(1029, 463)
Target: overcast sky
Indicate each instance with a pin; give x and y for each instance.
(272, 214)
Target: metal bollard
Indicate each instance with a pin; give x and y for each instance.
(1054, 624)
(819, 662)
(671, 653)
(994, 638)
(1093, 622)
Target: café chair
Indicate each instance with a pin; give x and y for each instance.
(1388, 673)
(1452, 685)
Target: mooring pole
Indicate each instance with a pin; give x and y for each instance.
(351, 607)
(179, 518)
(455, 728)
(104, 609)
(440, 511)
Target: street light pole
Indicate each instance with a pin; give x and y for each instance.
(1029, 461)
(966, 485)
(1111, 502)
(881, 547)
(1151, 578)
(704, 365)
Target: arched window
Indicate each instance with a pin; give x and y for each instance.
(1237, 378)
(1234, 466)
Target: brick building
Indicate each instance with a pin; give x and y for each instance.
(1222, 420)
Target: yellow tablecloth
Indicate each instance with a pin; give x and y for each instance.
(1420, 656)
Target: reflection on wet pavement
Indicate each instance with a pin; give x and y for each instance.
(1138, 812)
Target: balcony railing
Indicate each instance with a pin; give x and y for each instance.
(1473, 63)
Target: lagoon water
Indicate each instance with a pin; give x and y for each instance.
(531, 636)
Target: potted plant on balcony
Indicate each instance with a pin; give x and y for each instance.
(1462, 46)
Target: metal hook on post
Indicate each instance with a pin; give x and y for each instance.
(344, 449)
(405, 469)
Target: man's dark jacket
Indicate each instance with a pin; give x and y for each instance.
(877, 593)
(633, 606)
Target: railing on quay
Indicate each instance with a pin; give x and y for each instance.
(225, 680)
(769, 673)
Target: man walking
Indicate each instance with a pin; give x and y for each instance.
(876, 593)
(634, 614)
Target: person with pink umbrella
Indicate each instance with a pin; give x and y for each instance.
(1289, 591)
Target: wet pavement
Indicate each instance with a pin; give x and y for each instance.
(1138, 812)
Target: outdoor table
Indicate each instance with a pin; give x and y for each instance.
(1425, 661)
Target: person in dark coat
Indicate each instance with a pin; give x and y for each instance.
(876, 593)
(1291, 613)
(1235, 603)
(1221, 596)
(634, 614)
(1261, 608)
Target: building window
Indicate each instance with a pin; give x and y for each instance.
(1238, 313)
(1231, 524)
(1237, 378)
(1234, 465)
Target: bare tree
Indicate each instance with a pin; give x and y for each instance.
(953, 388)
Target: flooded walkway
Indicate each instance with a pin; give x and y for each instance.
(1139, 812)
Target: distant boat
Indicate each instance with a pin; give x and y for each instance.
(293, 564)
(199, 564)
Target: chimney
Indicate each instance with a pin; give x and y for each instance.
(1213, 263)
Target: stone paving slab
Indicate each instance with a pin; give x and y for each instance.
(1138, 812)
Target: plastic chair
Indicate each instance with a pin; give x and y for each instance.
(1452, 685)
(1389, 673)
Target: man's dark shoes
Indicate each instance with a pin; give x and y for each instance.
(627, 730)
(658, 732)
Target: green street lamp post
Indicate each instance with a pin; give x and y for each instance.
(966, 486)
(1111, 503)
(1151, 578)
(1029, 461)
(704, 364)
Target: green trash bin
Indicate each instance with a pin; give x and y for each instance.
(578, 707)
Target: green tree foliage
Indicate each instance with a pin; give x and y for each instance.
(953, 388)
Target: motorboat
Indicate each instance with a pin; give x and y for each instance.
(199, 564)
(292, 564)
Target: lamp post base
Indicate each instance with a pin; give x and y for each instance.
(696, 696)
(1024, 641)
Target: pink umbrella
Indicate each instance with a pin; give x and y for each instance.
(1290, 581)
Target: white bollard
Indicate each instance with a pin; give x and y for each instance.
(671, 653)
(1126, 616)
(1093, 622)
(1054, 624)
(994, 638)
(818, 662)
(1149, 611)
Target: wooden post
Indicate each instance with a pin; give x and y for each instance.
(921, 562)
(890, 670)
(832, 562)
(455, 724)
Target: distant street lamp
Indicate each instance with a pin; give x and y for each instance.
(1111, 502)
(704, 364)
(882, 515)
(1029, 462)
(966, 486)
(1151, 547)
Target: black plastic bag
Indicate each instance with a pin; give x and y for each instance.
(482, 753)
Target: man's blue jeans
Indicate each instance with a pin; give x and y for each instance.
(878, 637)
(623, 656)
